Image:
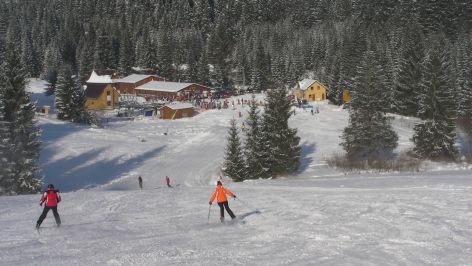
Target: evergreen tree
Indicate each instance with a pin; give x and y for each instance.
(18, 113)
(203, 72)
(406, 91)
(166, 68)
(86, 62)
(6, 169)
(70, 98)
(126, 54)
(260, 79)
(252, 149)
(369, 135)
(234, 161)
(279, 143)
(464, 92)
(435, 137)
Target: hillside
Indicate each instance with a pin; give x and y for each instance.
(318, 216)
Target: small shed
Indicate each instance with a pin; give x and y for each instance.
(177, 110)
(347, 97)
(44, 110)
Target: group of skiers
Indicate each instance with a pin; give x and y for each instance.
(50, 198)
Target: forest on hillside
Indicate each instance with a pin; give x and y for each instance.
(257, 43)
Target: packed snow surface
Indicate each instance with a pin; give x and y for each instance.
(319, 216)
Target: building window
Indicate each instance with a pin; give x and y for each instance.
(109, 103)
(311, 88)
(108, 93)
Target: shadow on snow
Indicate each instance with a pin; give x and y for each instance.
(86, 170)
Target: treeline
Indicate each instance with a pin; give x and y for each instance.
(246, 42)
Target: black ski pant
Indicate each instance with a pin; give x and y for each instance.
(224, 205)
(45, 212)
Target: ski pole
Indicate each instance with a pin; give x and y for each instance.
(209, 208)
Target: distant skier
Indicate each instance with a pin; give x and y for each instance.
(220, 195)
(168, 181)
(52, 198)
(140, 181)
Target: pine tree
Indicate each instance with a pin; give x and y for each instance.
(464, 92)
(203, 70)
(164, 51)
(70, 98)
(234, 161)
(86, 62)
(435, 137)
(6, 169)
(369, 135)
(18, 113)
(126, 54)
(409, 77)
(252, 146)
(279, 143)
(259, 79)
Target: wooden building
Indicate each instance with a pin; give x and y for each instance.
(177, 110)
(101, 96)
(310, 90)
(347, 97)
(171, 90)
(127, 85)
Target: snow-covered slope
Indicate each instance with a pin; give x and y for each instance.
(317, 217)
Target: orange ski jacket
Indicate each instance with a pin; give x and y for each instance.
(220, 194)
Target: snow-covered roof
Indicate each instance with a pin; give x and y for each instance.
(95, 78)
(133, 78)
(164, 86)
(177, 105)
(304, 84)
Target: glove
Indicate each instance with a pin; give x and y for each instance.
(41, 204)
(209, 202)
(234, 196)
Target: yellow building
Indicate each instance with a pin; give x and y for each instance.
(310, 90)
(347, 97)
(101, 96)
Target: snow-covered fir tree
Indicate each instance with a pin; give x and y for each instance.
(126, 50)
(259, 77)
(70, 98)
(18, 113)
(435, 137)
(252, 146)
(280, 147)
(6, 176)
(464, 91)
(234, 165)
(369, 135)
(406, 91)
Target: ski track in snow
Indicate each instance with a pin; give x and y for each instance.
(332, 219)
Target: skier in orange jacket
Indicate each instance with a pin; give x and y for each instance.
(220, 195)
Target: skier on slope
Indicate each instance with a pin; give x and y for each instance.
(220, 195)
(168, 181)
(140, 181)
(51, 198)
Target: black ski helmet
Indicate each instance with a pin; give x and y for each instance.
(50, 186)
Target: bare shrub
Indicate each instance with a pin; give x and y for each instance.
(402, 162)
